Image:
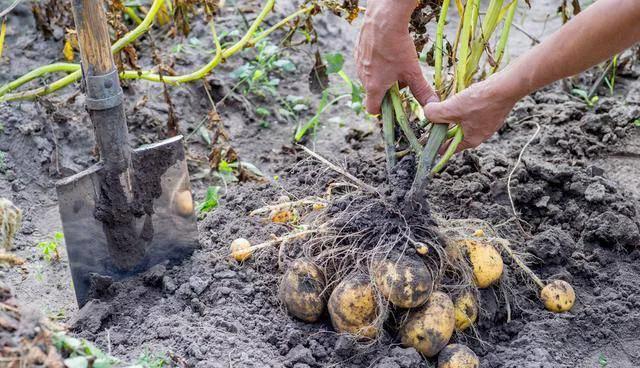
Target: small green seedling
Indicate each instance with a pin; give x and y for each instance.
(211, 200)
(637, 122)
(585, 96)
(152, 360)
(602, 360)
(50, 249)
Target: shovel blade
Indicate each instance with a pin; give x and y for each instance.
(161, 220)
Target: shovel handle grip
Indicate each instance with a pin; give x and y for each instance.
(93, 37)
(102, 85)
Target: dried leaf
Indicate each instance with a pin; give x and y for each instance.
(67, 51)
(318, 78)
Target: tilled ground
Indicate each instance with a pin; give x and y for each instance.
(578, 213)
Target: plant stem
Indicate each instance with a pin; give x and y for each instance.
(248, 40)
(132, 14)
(439, 47)
(504, 36)
(37, 73)
(436, 137)
(401, 119)
(388, 133)
(76, 75)
(316, 118)
(457, 138)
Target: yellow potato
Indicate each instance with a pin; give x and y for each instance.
(558, 296)
(183, 203)
(458, 356)
(429, 329)
(486, 261)
(466, 310)
(407, 282)
(353, 309)
(301, 290)
(241, 249)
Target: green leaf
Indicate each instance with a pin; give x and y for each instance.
(210, 201)
(257, 74)
(262, 112)
(58, 236)
(580, 93)
(285, 64)
(224, 167)
(335, 62)
(637, 122)
(77, 362)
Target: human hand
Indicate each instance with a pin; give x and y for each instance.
(385, 53)
(480, 110)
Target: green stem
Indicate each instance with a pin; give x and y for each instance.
(316, 118)
(439, 46)
(401, 119)
(204, 70)
(37, 73)
(281, 23)
(77, 74)
(133, 15)
(436, 137)
(388, 132)
(504, 36)
(457, 138)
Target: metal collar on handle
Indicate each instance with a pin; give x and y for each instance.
(103, 91)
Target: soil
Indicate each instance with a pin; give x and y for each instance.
(576, 194)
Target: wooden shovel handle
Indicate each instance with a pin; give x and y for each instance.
(93, 37)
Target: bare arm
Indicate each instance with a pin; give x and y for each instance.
(602, 30)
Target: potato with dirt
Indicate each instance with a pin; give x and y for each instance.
(466, 310)
(353, 308)
(241, 249)
(458, 356)
(405, 281)
(302, 290)
(429, 329)
(486, 262)
(558, 296)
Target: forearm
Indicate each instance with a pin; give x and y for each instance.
(602, 30)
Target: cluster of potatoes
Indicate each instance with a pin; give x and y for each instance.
(407, 283)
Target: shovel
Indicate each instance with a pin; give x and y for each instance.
(134, 208)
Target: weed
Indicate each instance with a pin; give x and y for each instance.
(637, 122)
(260, 76)
(49, 248)
(152, 360)
(611, 79)
(82, 353)
(602, 360)
(585, 96)
(334, 64)
(211, 200)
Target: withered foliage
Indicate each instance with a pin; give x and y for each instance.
(425, 12)
(52, 17)
(128, 55)
(567, 11)
(184, 10)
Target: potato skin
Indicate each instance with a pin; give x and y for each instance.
(301, 290)
(558, 296)
(407, 282)
(429, 329)
(486, 261)
(240, 249)
(353, 308)
(466, 310)
(458, 356)
(183, 203)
